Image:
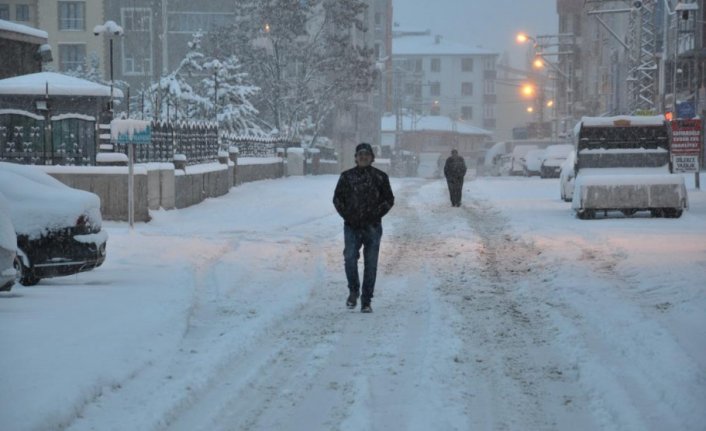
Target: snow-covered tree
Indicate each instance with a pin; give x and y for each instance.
(174, 97)
(228, 95)
(304, 56)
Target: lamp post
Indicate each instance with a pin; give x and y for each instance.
(111, 29)
(554, 52)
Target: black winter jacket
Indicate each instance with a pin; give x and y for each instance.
(363, 196)
(455, 168)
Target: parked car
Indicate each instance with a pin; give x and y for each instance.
(567, 177)
(58, 229)
(8, 247)
(519, 154)
(533, 162)
(554, 157)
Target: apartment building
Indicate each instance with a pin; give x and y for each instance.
(439, 77)
(70, 27)
(19, 11)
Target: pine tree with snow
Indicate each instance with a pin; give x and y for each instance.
(228, 95)
(174, 97)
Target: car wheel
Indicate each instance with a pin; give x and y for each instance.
(23, 275)
(629, 212)
(672, 212)
(586, 214)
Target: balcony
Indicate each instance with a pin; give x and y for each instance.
(490, 99)
(490, 74)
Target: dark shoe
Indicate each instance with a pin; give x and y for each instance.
(366, 308)
(352, 300)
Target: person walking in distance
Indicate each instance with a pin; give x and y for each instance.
(455, 171)
(362, 198)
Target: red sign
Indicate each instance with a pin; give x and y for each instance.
(686, 137)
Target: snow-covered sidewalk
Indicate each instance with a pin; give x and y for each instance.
(508, 313)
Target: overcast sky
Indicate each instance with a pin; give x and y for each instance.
(489, 23)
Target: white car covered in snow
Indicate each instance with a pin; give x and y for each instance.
(519, 157)
(554, 158)
(533, 162)
(8, 247)
(58, 229)
(567, 177)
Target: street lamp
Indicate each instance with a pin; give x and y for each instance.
(524, 38)
(528, 90)
(111, 29)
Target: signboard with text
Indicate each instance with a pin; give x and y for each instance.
(686, 145)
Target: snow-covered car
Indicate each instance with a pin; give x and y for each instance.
(554, 157)
(58, 229)
(519, 153)
(567, 177)
(8, 247)
(533, 162)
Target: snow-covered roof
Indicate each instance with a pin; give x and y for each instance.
(634, 120)
(432, 123)
(59, 85)
(427, 45)
(23, 29)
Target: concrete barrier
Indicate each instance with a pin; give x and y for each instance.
(110, 184)
(249, 170)
(160, 185)
(327, 167)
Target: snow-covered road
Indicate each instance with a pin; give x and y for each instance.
(506, 314)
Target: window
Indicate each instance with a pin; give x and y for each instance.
(409, 89)
(489, 87)
(22, 12)
(378, 19)
(467, 88)
(136, 43)
(72, 15)
(418, 65)
(436, 65)
(71, 56)
(466, 112)
(190, 22)
(4, 11)
(489, 111)
(435, 89)
(490, 63)
(467, 65)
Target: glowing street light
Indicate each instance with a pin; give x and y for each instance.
(522, 38)
(538, 63)
(530, 109)
(528, 90)
(267, 27)
(550, 103)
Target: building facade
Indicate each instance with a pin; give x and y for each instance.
(438, 77)
(70, 27)
(19, 11)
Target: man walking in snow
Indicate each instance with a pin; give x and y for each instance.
(363, 197)
(454, 171)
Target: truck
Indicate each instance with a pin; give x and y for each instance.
(623, 164)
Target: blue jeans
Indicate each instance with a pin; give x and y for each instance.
(369, 238)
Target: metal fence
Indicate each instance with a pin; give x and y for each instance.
(197, 141)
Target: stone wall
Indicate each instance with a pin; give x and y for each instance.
(112, 190)
(160, 185)
(258, 172)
